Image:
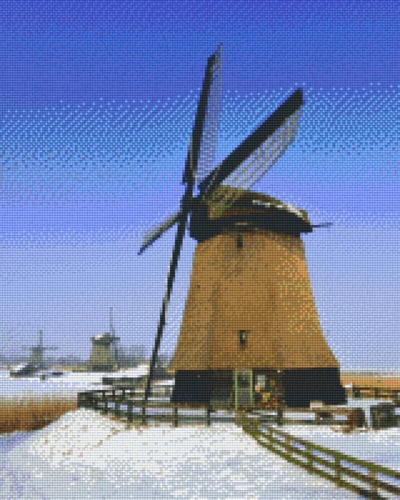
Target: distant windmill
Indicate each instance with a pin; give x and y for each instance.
(35, 361)
(250, 319)
(103, 357)
(37, 352)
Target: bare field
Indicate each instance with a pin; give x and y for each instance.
(32, 414)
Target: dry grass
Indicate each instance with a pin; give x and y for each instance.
(372, 382)
(32, 414)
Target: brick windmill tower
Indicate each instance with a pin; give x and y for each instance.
(250, 326)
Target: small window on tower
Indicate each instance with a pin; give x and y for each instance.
(239, 240)
(243, 334)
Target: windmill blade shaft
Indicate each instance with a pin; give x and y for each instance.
(164, 309)
(212, 69)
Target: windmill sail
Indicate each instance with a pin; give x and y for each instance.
(266, 155)
(209, 138)
(205, 129)
(203, 141)
(155, 233)
(256, 165)
(280, 119)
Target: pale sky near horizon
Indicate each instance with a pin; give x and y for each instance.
(97, 104)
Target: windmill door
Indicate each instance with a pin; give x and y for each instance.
(243, 388)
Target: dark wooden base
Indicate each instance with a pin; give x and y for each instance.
(298, 387)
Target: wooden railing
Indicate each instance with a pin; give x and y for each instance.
(117, 395)
(330, 464)
(127, 403)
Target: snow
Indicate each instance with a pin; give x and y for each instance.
(87, 455)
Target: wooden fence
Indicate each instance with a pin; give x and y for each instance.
(330, 464)
(125, 403)
(128, 403)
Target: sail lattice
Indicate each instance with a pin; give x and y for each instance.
(256, 165)
(208, 144)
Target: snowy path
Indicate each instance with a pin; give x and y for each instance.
(86, 455)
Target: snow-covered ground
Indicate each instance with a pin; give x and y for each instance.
(87, 455)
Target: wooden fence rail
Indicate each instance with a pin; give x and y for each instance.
(337, 467)
(125, 403)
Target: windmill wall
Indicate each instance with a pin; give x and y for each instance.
(254, 282)
(262, 288)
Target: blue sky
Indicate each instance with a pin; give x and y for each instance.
(97, 102)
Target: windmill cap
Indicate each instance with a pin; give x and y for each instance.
(247, 199)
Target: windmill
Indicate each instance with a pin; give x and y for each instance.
(37, 351)
(104, 354)
(35, 361)
(249, 321)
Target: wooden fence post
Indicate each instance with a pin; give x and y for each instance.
(208, 415)
(289, 447)
(269, 435)
(117, 407)
(175, 416)
(372, 475)
(129, 412)
(309, 456)
(338, 470)
(82, 400)
(105, 401)
(143, 414)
